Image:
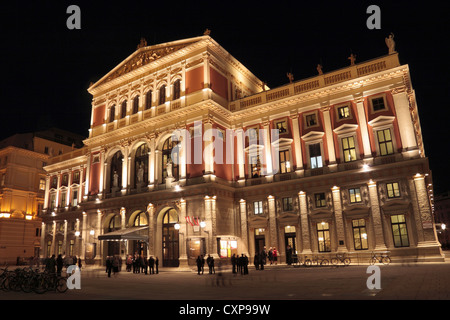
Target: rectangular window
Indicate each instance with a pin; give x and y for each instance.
(315, 155)
(360, 234)
(258, 207)
(287, 204)
(74, 198)
(385, 142)
(343, 112)
(285, 164)
(378, 104)
(255, 166)
(393, 190)
(323, 237)
(76, 177)
(52, 201)
(42, 184)
(355, 195)
(281, 126)
(349, 149)
(63, 199)
(320, 200)
(399, 230)
(311, 120)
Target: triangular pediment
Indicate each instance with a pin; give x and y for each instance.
(144, 56)
(313, 135)
(346, 128)
(381, 121)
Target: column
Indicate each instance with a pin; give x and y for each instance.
(53, 247)
(206, 77)
(377, 218)
(65, 238)
(182, 244)
(97, 233)
(151, 161)
(125, 162)
(304, 222)
(244, 232)
(151, 229)
(183, 83)
(83, 236)
(362, 121)
(339, 219)
(208, 152)
(267, 148)
(102, 171)
(425, 229)
(329, 137)
(47, 191)
(69, 188)
(41, 253)
(405, 124)
(297, 142)
(239, 148)
(273, 232)
(88, 171)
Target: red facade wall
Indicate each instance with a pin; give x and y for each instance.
(98, 116)
(218, 83)
(194, 80)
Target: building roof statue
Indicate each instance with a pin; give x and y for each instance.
(290, 76)
(319, 69)
(352, 59)
(390, 43)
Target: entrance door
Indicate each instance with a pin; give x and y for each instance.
(260, 240)
(170, 241)
(113, 248)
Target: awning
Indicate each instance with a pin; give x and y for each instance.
(132, 233)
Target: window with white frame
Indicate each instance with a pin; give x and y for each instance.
(315, 156)
(258, 207)
(385, 143)
(349, 149)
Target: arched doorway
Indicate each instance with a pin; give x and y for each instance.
(170, 239)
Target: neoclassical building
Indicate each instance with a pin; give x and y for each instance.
(190, 153)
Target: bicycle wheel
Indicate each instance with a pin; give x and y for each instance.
(347, 261)
(308, 262)
(61, 285)
(324, 262)
(373, 260)
(334, 261)
(39, 284)
(26, 285)
(386, 260)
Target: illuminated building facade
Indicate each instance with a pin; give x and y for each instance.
(189, 153)
(22, 189)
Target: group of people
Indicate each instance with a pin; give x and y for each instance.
(260, 259)
(239, 264)
(200, 261)
(53, 264)
(140, 264)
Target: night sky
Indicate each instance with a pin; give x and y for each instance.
(46, 68)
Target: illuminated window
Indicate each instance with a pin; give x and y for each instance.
(52, 201)
(255, 166)
(323, 237)
(355, 195)
(349, 149)
(360, 234)
(74, 198)
(320, 200)
(315, 156)
(385, 142)
(343, 112)
(140, 220)
(258, 207)
(399, 230)
(42, 184)
(285, 164)
(281, 126)
(393, 190)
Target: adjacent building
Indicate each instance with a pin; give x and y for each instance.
(190, 153)
(22, 189)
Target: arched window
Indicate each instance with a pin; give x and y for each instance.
(115, 223)
(135, 104)
(176, 89)
(116, 171)
(141, 165)
(123, 109)
(140, 220)
(162, 94)
(148, 100)
(112, 113)
(170, 159)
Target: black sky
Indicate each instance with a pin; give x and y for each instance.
(47, 67)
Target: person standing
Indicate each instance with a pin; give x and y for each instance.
(245, 264)
(108, 266)
(289, 255)
(270, 255)
(79, 263)
(151, 264)
(59, 264)
(199, 264)
(156, 265)
(256, 261)
(233, 262)
(275, 255)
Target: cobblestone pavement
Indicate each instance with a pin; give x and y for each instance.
(420, 281)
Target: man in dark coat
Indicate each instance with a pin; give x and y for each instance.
(199, 264)
(59, 264)
(151, 263)
(233, 262)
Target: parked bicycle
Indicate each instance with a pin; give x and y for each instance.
(341, 258)
(381, 257)
(316, 261)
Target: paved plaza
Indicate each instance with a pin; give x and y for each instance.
(415, 281)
